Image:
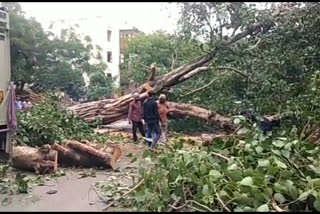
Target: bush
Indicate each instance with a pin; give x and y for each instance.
(47, 122)
(190, 126)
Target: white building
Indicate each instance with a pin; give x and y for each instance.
(103, 34)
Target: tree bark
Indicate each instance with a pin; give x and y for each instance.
(211, 117)
(79, 154)
(111, 110)
(38, 160)
(69, 157)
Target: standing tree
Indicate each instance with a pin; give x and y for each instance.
(46, 61)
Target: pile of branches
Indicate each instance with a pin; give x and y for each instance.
(260, 173)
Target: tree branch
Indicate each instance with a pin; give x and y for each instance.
(243, 34)
(152, 72)
(234, 30)
(212, 81)
(221, 202)
(143, 65)
(201, 88)
(192, 73)
(254, 46)
(276, 207)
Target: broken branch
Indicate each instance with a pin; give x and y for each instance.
(220, 156)
(134, 188)
(221, 202)
(276, 207)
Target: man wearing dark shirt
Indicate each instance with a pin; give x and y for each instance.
(135, 116)
(152, 118)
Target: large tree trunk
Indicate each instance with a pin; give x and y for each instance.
(203, 114)
(39, 160)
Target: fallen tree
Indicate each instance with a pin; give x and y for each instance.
(111, 110)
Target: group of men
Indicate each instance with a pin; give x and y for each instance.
(154, 114)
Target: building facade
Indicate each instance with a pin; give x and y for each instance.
(125, 36)
(107, 35)
(103, 34)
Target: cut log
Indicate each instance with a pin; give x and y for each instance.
(39, 160)
(69, 157)
(82, 154)
(98, 158)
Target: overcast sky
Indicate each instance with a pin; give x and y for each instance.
(147, 17)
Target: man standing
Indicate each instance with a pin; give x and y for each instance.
(135, 116)
(151, 117)
(163, 111)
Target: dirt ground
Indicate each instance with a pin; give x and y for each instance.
(74, 193)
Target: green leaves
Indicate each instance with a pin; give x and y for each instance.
(236, 121)
(263, 208)
(247, 181)
(304, 196)
(251, 180)
(22, 182)
(280, 163)
(47, 123)
(278, 143)
(205, 190)
(259, 149)
(3, 170)
(215, 174)
(233, 167)
(47, 61)
(263, 163)
(317, 203)
(279, 198)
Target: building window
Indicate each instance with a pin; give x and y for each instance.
(121, 58)
(109, 56)
(109, 35)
